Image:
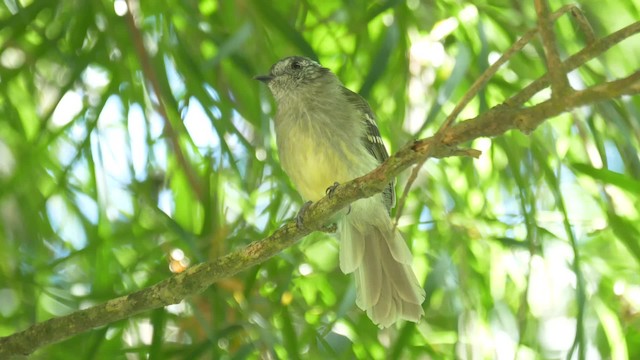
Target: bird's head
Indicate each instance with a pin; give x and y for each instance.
(295, 74)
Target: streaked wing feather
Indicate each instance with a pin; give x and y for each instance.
(372, 140)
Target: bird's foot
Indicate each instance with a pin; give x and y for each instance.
(331, 189)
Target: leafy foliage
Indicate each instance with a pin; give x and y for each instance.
(134, 145)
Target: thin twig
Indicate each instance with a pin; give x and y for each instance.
(559, 82)
(573, 62)
(414, 175)
(472, 92)
(405, 192)
(584, 25)
(493, 69)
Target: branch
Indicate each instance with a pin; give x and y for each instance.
(559, 81)
(493, 69)
(194, 280)
(574, 61)
(483, 79)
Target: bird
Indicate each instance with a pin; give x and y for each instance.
(327, 134)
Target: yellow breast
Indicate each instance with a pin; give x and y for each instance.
(313, 165)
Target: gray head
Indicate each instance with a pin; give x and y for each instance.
(294, 74)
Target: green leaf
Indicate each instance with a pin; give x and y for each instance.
(609, 177)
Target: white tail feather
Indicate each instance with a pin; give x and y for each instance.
(386, 287)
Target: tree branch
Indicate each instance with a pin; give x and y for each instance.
(483, 79)
(559, 81)
(576, 60)
(194, 280)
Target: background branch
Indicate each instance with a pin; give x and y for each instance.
(559, 81)
(477, 85)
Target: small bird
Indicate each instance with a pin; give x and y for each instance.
(327, 134)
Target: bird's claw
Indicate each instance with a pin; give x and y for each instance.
(331, 189)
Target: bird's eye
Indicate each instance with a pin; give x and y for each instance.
(296, 65)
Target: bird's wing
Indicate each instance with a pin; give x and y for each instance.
(372, 140)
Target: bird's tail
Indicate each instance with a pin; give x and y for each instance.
(386, 287)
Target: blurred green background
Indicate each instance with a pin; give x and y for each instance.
(134, 146)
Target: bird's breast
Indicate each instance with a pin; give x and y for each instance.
(319, 143)
(314, 162)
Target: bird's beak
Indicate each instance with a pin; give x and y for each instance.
(264, 78)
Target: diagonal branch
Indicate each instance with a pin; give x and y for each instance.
(576, 60)
(479, 84)
(595, 48)
(493, 69)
